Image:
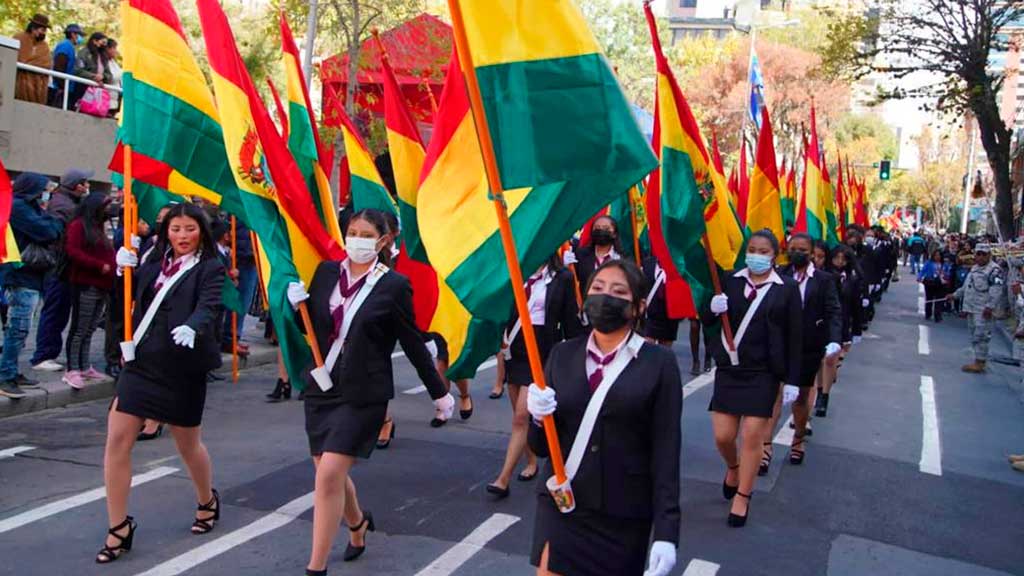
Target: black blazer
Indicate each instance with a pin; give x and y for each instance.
(586, 263)
(196, 301)
(850, 295)
(822, 313)
(363, 373)
(561, 313)
(773, 341)
(631, 469)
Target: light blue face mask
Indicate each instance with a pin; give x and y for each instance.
(759, 263)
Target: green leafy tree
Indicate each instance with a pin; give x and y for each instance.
(949, 41)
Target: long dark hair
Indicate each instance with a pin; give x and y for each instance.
(95, 50)
(92, 211)
(379, 221)
(207, 247)
(634, 278)
(845, 251)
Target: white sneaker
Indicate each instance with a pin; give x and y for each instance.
(49, 366)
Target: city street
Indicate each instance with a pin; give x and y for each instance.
(907, 475)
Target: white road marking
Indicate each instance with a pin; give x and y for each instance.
(931, 448)
(457, 555)
(698, 567)
(29, 516)
(924, 347)
(785, 435)
(920, 305)
(196, 556)
(698, 383)
(12, 452)
(398, 354)
(920, 288)
(421, 388)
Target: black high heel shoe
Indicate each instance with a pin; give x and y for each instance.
(465, 414)
(316, 572)
(353, 552)
(383, 444)
(108, 554)
(737, 521)
(206, 525)
(766, 459)
(796, 451)
(282, 391)
(143, 436)
(729, 491)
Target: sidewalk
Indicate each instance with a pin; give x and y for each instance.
(52, 393)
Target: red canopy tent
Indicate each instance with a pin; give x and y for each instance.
(419, 51)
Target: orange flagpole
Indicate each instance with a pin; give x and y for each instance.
(507, 240)
(318, 359)
(234, 315)
(129, 226)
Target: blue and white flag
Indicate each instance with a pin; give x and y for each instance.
(756, 90)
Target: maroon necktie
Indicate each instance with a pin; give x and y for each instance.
(752, 290)
(529, 284)
(595, 379)
(338, 315)
(168, 268)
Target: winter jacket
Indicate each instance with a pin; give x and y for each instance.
(30, 226)
(87, 263)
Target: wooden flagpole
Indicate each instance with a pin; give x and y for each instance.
(507, 240)
(234, 315)
(129, 225)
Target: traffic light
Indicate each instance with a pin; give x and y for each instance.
(884, 170)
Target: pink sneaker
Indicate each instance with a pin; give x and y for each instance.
(74, 379)
(93, 374)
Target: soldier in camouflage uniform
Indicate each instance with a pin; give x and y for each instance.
(981, 292)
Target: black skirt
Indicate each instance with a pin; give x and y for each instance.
(586, 542)
(517, 367)
(661, 329)
(343, 428)
(810, 365)
(178, 400)
(744, 393)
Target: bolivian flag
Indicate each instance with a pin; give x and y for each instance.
(811, 217)
(764, 209)
(743, 185)
(407, 156)
(840, 200)
(828, 205)
(789, 199)
(455, 217)
(303, 138)
(687, 199)
(9, 252)
(564, 138)
(270, 184)
(168, 115)
(365, 184)
(625, 210)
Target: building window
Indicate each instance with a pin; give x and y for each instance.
(687, 3)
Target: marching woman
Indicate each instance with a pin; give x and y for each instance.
(177, 312)
(555, 317)
(359, 309)
(604, 246)
(617, 402)
(657, 326)
(764, 313)
(822, 332)
(841, 266)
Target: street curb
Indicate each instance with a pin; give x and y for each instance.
(56, 394)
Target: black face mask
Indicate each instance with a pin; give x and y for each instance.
(798, 259)
(602, 237)
(607, 313)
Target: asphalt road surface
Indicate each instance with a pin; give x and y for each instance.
(906, 476)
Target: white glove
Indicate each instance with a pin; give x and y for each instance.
(185, 336)
(297, 294)
(857, 339)
(662, 559)
(864, 303)
(540, 403)
(789, 394)
(432, 348)
(832, 349)
(568, 258)
(126, 258)
(444, 407)
(719, 304)
(136, 242)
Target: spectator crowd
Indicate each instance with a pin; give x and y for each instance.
(93, 57)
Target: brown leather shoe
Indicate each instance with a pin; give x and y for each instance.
(978, 367)
(1015, 458)
(1018, 466)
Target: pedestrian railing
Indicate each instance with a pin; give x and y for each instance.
(66, 78)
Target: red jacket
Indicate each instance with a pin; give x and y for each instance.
(86, 262)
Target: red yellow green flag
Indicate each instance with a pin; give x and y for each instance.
(303, 138)
(9, 252)
(789, 199)
(811, 217)
(828, 205)
(365, 184)
(743, 188)
(271, 185)
(764, 210)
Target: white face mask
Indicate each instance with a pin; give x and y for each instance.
(361, 250)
